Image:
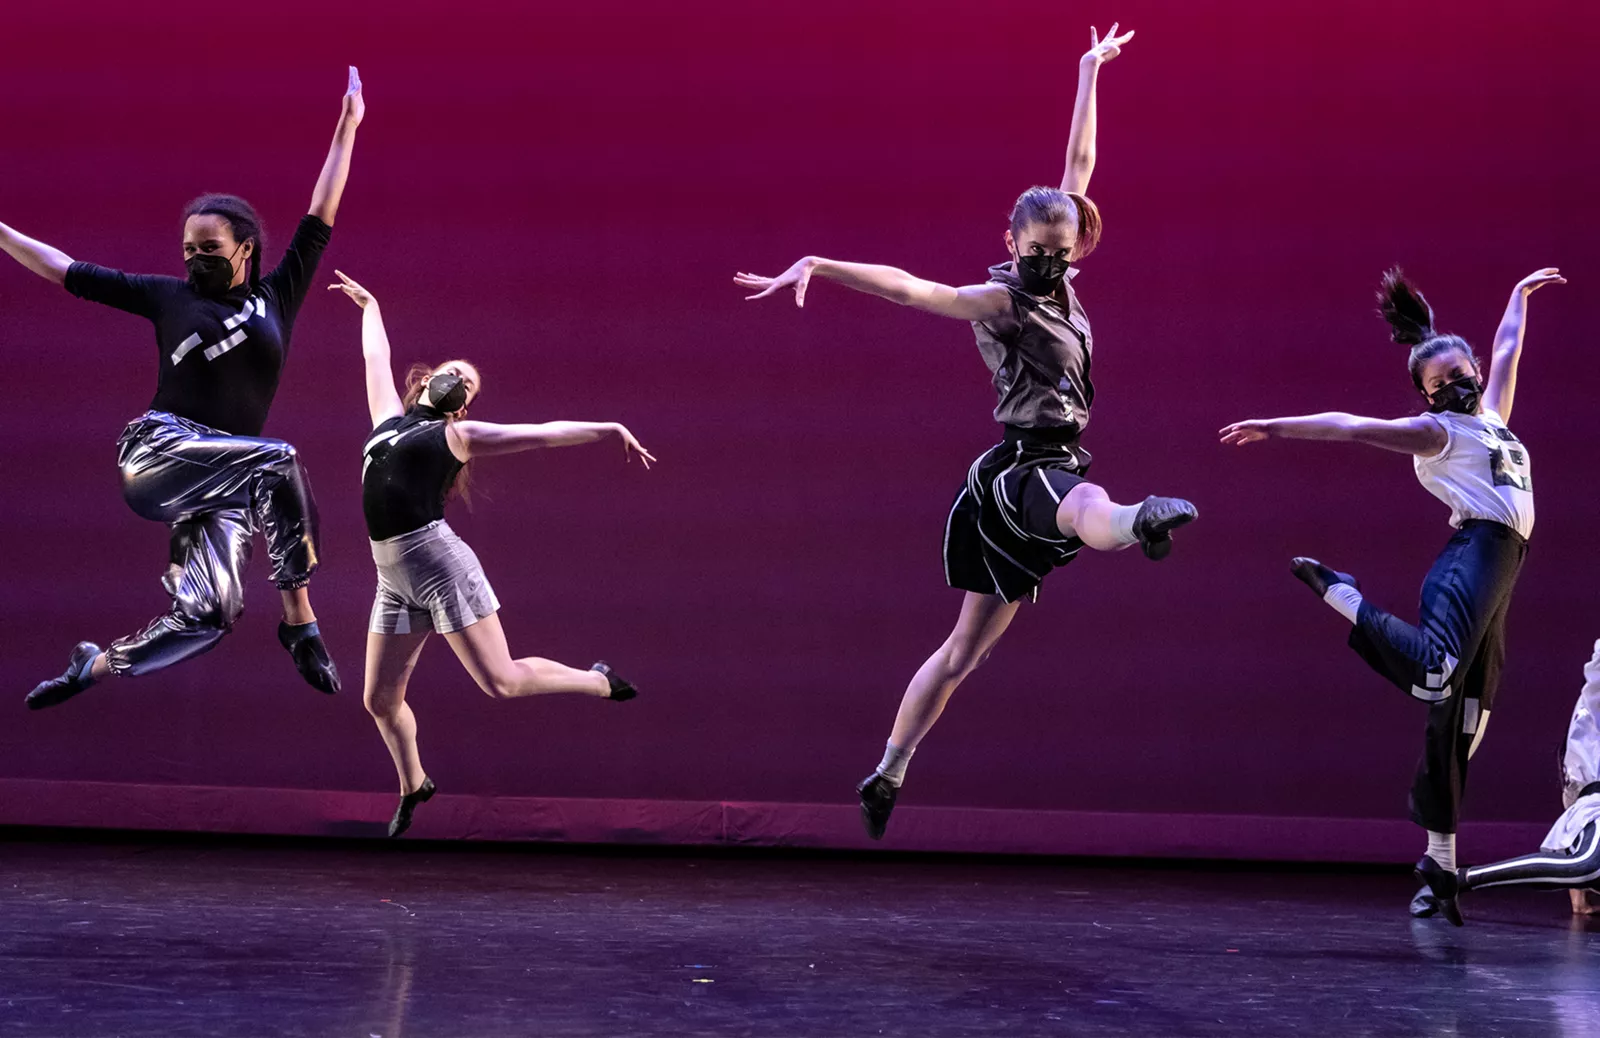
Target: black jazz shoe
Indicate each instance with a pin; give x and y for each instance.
(877, 801)
(1439, 885)
(408, 803)
(75, 680)
(621, 691)
(1426, 904)
(311, 659)
(1319, 578)
(1156, 519)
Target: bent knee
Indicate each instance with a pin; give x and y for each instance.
(218, 615)
(499, 686)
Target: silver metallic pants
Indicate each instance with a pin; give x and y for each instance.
(215, 491)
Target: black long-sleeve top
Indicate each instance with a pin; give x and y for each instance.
(220, 359)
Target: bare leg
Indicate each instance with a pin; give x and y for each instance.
(983, 619)
(390, 661)
(297, 606)
(1089, 514)
(483, 651)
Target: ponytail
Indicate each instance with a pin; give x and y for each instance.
(1407, 311)
(1410, 320)
(1051, 205)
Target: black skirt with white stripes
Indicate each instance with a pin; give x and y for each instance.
(1001, 537)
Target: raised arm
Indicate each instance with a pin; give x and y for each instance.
(1418, 434)
(1080, 139)
(42, 259)
(967, 303)
(1501, 391)
(479, 439)
(330, 183)
(383, 400)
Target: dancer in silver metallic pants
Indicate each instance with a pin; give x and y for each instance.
(196, 460)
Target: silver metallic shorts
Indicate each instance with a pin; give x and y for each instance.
(429, 580)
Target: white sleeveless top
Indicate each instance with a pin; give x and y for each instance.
(1482, 472)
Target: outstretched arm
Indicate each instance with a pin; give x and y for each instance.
(383, 400)
(967, 303)
(42, 259)
(1080, 139)
(1501, 391)
(1419, 434)
(484, 438)
(330, 183)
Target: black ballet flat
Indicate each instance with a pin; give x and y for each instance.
(59, 690)
(877, 795)
(1319, 578)
(311, 659)
(408, 803)
(1156, 519)
(621, 691)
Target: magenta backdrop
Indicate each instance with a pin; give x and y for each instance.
(561, 193)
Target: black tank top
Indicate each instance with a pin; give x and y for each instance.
(407, 470)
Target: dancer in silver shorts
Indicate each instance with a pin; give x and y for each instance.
(417, 454)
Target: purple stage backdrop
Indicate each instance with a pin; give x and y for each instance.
(561, 193)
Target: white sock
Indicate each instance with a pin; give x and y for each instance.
(1346, 600)
(893, 765)
(1122, 518)
(1442, 849)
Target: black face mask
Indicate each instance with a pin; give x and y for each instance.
(1041, 275)
(1460, 396)
(211, 274)
(448, 393)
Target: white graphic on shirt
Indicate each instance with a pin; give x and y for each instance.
(371, 451)
(253, 306)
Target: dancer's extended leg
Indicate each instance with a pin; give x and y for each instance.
(483, 651)
(981, 622)
(208, 598)
(1578, 867)
(1088, 513)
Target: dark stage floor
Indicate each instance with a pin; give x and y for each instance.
(203, 937)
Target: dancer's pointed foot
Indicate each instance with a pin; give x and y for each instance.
(1427, 902)
(621, 691)
(311, 659)
(1156, 519)
(1319, 578)
(408, 803)
(1443, 884)
(75, 680)
(877, 795)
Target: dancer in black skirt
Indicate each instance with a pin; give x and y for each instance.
(1465, 455)
(428, 578)
(1026, 506)
(196, 459)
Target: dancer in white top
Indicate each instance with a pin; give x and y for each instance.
(1466, 456)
